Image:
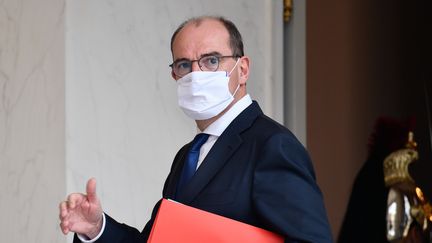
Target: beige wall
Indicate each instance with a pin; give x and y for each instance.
(359, 66)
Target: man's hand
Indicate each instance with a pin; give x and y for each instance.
(82, 213)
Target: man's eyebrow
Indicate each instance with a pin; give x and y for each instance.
(181, 59)
(214, 53)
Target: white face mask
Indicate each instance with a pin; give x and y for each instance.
(203, 95)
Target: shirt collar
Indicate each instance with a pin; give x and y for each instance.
(218, 126)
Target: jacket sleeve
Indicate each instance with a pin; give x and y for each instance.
(285, 194)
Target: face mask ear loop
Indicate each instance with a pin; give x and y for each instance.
(229, 74)
(238, 86)
(235, 92)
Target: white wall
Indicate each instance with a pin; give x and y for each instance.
(32, 157)
(86, 91)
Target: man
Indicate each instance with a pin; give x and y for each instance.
(249, 167)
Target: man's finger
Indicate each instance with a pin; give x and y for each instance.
(64, 228)
(91, 190)
(63, 210)
(74, 199)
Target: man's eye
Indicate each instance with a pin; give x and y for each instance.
(183, 65)
(210, 61)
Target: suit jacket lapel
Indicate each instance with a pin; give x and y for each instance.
(229, 141)
(176, 170)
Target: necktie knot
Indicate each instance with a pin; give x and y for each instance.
(198, 141)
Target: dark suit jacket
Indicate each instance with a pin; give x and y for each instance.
(257, 172)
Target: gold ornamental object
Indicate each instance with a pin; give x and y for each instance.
(287, 9)
(408, 214)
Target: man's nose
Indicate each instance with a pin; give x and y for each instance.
(195, 66)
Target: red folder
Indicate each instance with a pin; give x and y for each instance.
(179, 223)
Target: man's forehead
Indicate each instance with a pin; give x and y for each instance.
(205, 22)
(206, 36)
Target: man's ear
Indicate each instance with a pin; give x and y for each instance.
(244, 70)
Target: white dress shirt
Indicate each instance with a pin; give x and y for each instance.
(218, 127)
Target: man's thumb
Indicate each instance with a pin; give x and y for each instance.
(91, 190)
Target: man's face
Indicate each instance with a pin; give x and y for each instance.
(210, 37)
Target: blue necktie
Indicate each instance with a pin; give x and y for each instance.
(190, 164)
